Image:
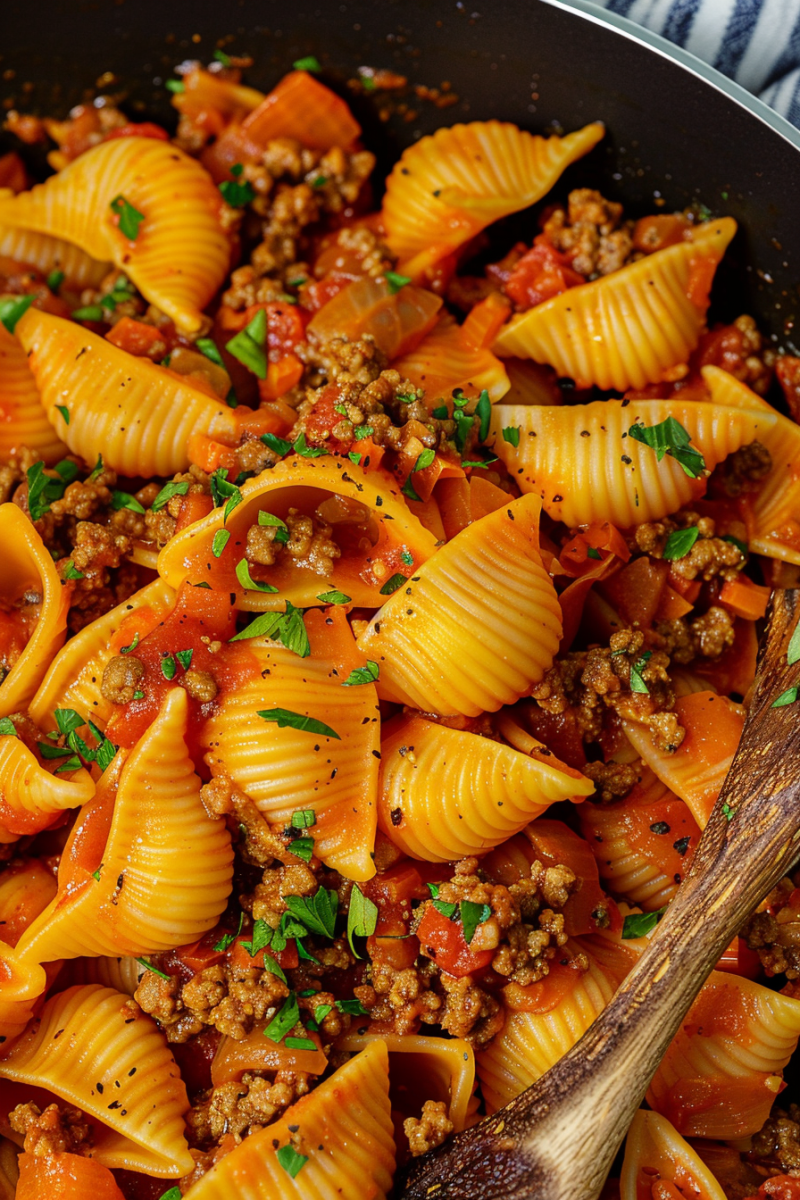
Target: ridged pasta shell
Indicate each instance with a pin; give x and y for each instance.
(29, 572)
(774, 510)
(9, 1170)
(722, 1071)
(446, 794)
(181, 254)
(26, 887)
(530, 1043)
(628, 328)
(581, 461)
(90, 1036)
(136, 414)
(425, 1068)
(444, 361)
(29, 789)
(449, 186)
(74, 677)
(696, 770)
(655, 1151)
(344, 1130)
(643, 844)
(476, 626)
(21, 985)
(122, 974)
(297, 482)
(165, 873)
(286, 769)
(23, 420)
(51, 254)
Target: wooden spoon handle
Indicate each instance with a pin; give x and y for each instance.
(556, 1141)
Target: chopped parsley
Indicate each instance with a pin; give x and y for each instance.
(483, 411)
(44, 489)
(424, 459)
(129, 217)
(276, 444)
(393, 584)
(787, 697)
(333, 597)
(303, 847)
(125, 500)
(592, 553)
(54, 280)
(168, 666)
(246, 579)
(209, 348)
(317, 913)
(441, 412)
(184, 657)
(353, 1008)
(638, 925)
(237, 194)
(304, 818)
(291, 1161)
(727, 811)
(248, 345)
(286, 627)
(511, 435)
(680, 542)
(362, 431)
(309, 63)
(71, 571)
(473, 915)
(395, 281)
(149, 966)
(359, 675)
(285, 1019)
(302, 447)
(221, 538)
(228, 939)
(793, 652)
(12, 308)
(284, 717)
(174, 1193)
(670, 437)
(362, 917)
(221, 57)
(222, 490)
(176, 86)
(167, 492)
(485, 463)
(637, 682)
(62, 408)
(7, 727)
(133, 645)
(281, 528)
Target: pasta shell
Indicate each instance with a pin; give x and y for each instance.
(444, 361)
(643, 845)
(696, 770)
(581, 461)
(530, 1043)
(372, 502)
(655, 1151)
(21, 985)
(181, 254)
(136, 414)
(446, 794)
(26, 887)
(74, 677)
(9, 1170)
(51, 254)
(165, 872)
(477, 626)
(122, 974)
(23, 421)
(424, 1068)
(398, 320)
(722, 1071)
(28, 790)
(287, 769)
(451, 185)
(29, 582)
(343, 1129)
(628, 328)
(774, 510)
(90, 1036)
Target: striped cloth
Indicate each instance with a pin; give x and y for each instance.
(755, 42)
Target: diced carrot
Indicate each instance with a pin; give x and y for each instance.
(371, 453)
(240, 957)
(201, 954)
(423, 481)
(209, 455)
(484, 321)
(282, 375)
(745, 598)
(672, 605)
(274, 416)
(688, 588)
(136, 337)
(64, 1177)
(13, 173)
(194, 506)
(739, 959)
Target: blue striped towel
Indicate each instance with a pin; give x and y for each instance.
(755, 42)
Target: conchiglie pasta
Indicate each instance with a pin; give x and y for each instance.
(29, 791)
(446, 793)
(52, 254)
(628, 328)
(163, 877)
(136, 414)
(74, 677)
(21, 985)
(447, 187)
(90, 1036)
(696, 770)
(377, 528)
(23, 420)
(642, 845)
(582, 462)
(722, 1071)
(26, 887)
(180, 255)
(35, 603)
(9, 1170)
(343, 1129)
(284, 769)
(122, 974)
(475, 627)
(561, 1010)
(773, 511)
(654, 1152)
(444, 360)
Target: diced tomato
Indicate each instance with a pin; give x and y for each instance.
(316, 294)
(701, 277)
(201, 954)
(282, 375)
(144, 129)
(288, 958)
(443, 940)
(135, 337)
(540, 274)
(779, 1187)
(324, 418)
(194, 1059)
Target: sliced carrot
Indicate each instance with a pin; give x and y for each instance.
(745, 598)
(484, 321)
(209, 455)
(672, 605)
(65, 1177)
(282, 375)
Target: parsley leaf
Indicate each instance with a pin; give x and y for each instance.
(727, 811)
(284, 717)
(483, 411)
(396, 281)
(167, 492)
(228, 939)
(309, 63)
(680, 542)
(793, 652)
(393, 584)
(125, 500)
(353, 1007)
(168, 666)
(317, 912)
(638, 925)
(303, 847)
(173, 1193)
(637, 683)
(363, 431)
(424, 459)
(246, 579)
(44, 489)
(133, 645)
(54, 280)
(787, 697)
(362, 917)
(209, 348)
(286, 627)
(304, 818)
(149, 966)
(184, 657)
(276, 444)
(176, 86)
(333, 597)
(223, 490)
(446, 908)
(221, 57)
(670, 437)
(302, 447)
(12, 308)
(287, 1156)
(511, 435)
(359, 675)
(221, 538)
(473, 915)
(71, 571)
(260, 938)
(7, 727)
(248, 345)
(237, 194)
(284, 1020)
(463, 426)
(129, 217)
(62, 408)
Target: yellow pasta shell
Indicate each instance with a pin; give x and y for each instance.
(21, 985)
(122, 974)
(654, 1150)
(23, 421)
(74, 677)
(476, 626)
(181, 254)
(774, 509)
(443, 361)
(134, 413)
(166, 868)
(343, 1128)
(628, 328)
(51, 254)
(27, 787)
(581, 461)
(286, 769)
(302, 483)
(26, 887)
(95, 1048)
(531, 1043)
(9, 1170)
(447, 187)
(29, 571)
(446, 794)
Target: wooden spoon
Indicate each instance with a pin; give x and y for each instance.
(557, 1140)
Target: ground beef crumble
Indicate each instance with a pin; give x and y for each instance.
(58, 1129)
(708, 558)
(778, 1142)
(592, 232)
(429, 1130)
(774, 931)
